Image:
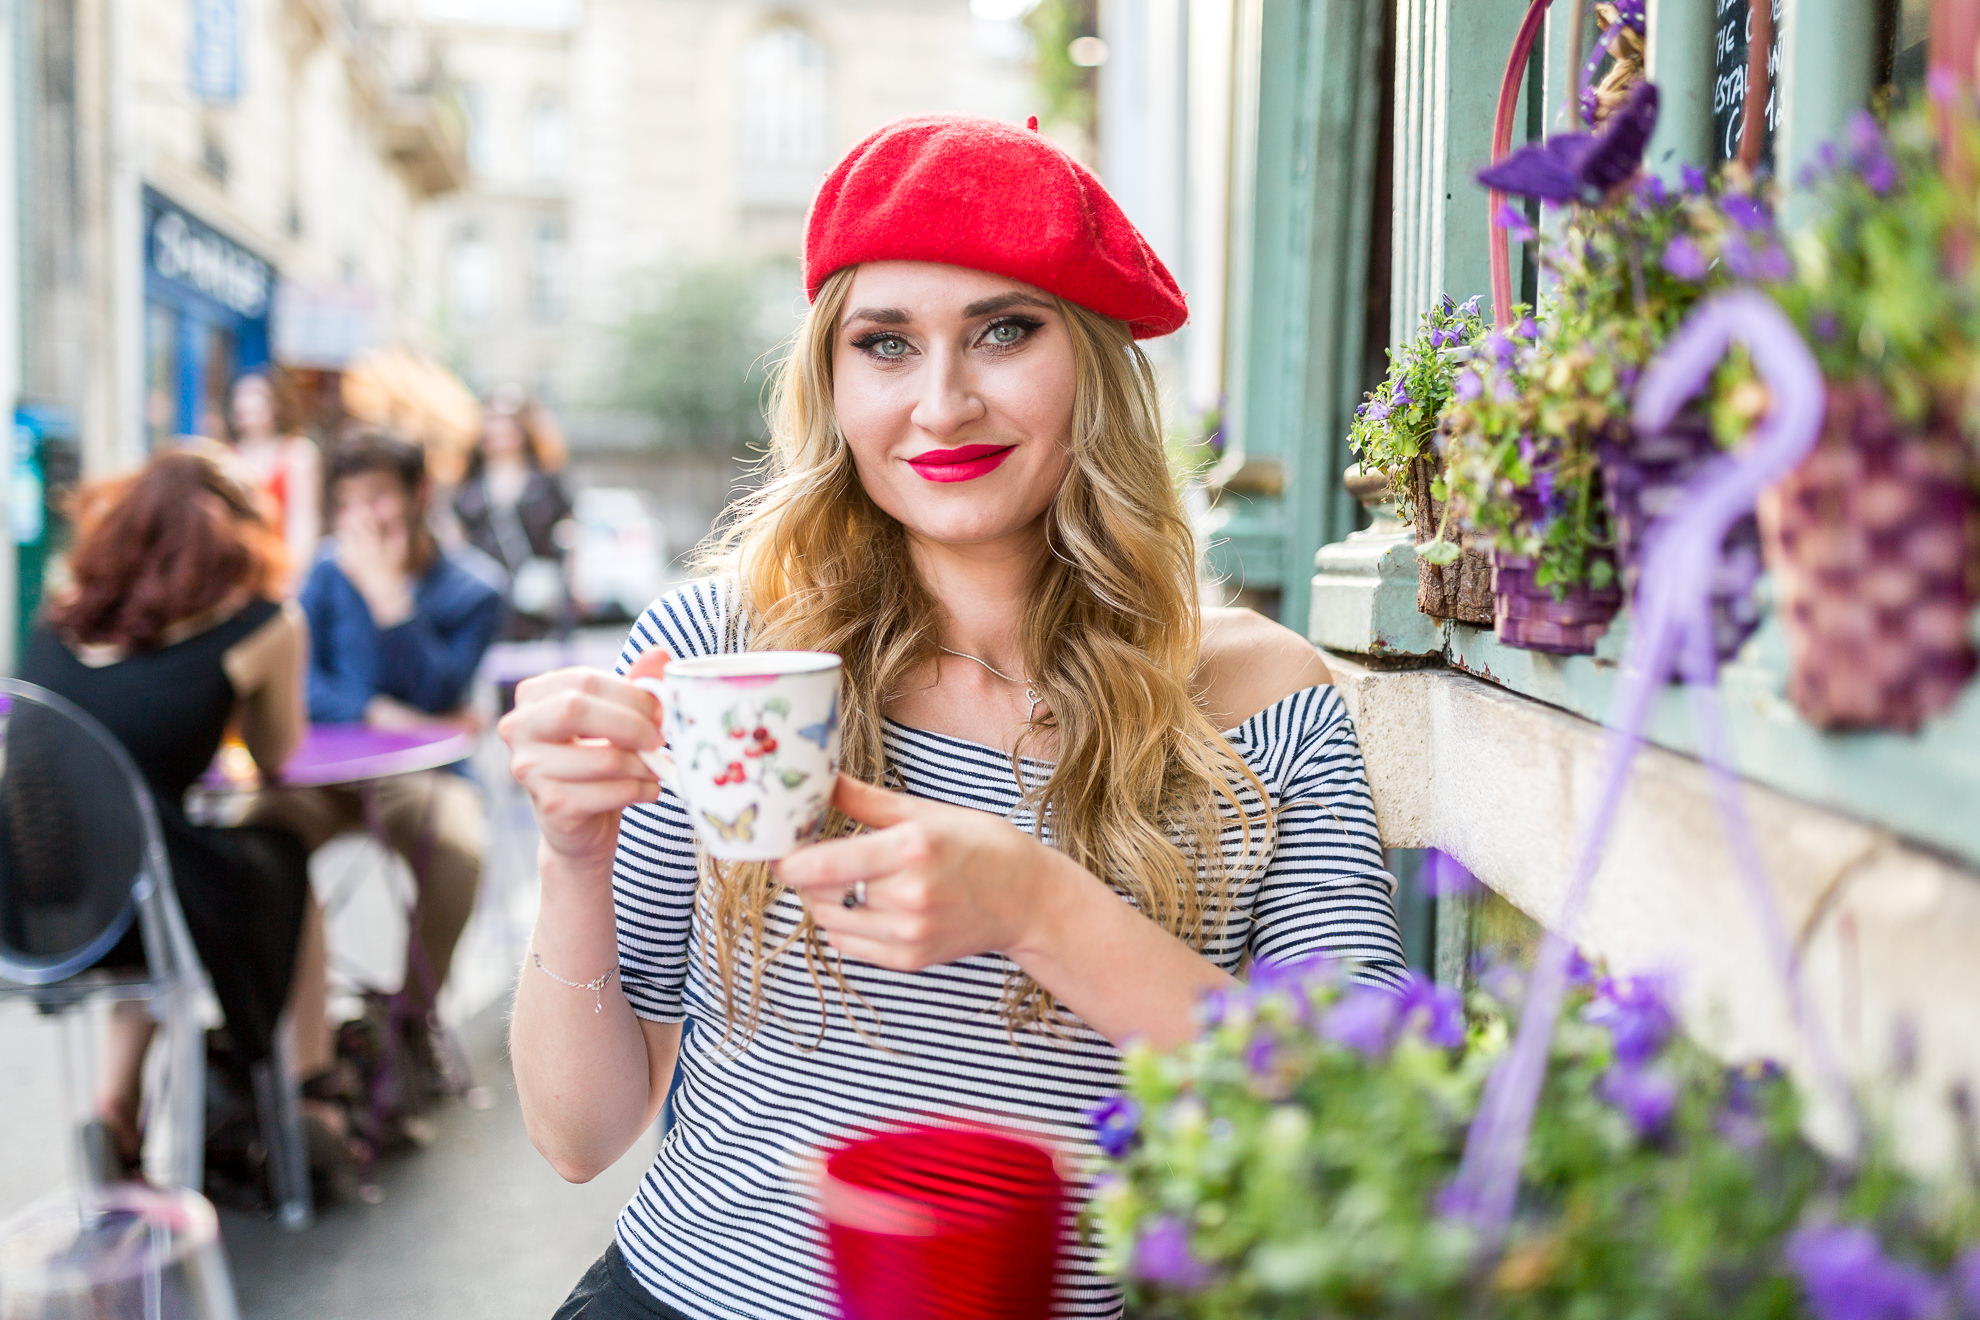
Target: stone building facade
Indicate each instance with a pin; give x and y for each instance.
(195, 188)
(614, 139)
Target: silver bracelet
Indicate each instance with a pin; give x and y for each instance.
(596, 984)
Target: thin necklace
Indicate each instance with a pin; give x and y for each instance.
(1030, 692)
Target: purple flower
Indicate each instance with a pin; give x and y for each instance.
(1500, 349)
(1444, 876)
(1636, 1013)
(1742, 1121)
(1437, 1008)
(1259, 1055)
(1468, 386)
(1215, 1006)
(1579, 970)
(1764, 264)
(1436, 338)
(1825, 326)
(1692, 178)
(1514, 222)
(1528, 328)
(1745, 212)
(1847, 1276)
(1966, 1278)
(1543, 489)
(1647, 1097)
(1866, 149)
(1399, 396)
(1684, 259)
(1293, 974)
(1471, 305)
(1116, 1125)
(1865, 138)
(1652, 190)
(1362, 1020)
(1375, 410)
(1162, 1255)
(1581, 167)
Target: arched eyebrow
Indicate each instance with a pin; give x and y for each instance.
(1003, 302)
(880, 315)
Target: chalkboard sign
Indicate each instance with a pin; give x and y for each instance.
(1729, 48)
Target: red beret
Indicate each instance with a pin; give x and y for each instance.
(992, 197)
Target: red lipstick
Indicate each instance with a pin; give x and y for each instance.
(966, 463)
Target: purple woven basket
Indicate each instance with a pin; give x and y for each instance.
(1643, 480)
(1530, 617)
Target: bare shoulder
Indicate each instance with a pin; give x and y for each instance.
(276, 647)
(1250, 662)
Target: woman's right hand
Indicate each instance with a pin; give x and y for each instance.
(574, 741)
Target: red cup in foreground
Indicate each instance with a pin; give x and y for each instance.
(943, 1223)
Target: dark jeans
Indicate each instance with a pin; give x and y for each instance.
(608, 1291)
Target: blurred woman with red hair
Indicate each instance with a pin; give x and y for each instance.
(169, 631)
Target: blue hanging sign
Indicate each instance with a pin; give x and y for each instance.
(214, 64)
(184, 253)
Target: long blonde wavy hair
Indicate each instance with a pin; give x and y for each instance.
(1144, 786)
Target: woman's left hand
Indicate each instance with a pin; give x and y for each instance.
(940, 882)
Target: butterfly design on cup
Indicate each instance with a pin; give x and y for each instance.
(742, 829)
(821, 732)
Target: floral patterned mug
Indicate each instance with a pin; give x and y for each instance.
(752, 747)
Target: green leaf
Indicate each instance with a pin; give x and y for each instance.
(1438, 552)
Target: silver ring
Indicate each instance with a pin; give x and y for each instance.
(855, 895)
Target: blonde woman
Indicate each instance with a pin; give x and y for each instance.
(1073, 803)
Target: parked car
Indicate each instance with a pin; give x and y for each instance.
(618, 554)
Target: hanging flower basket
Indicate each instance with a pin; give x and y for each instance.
(1531, 617)
(1460, 590)
(1643, 479)
(1875, 546)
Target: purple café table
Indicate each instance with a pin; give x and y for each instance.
(354, 753)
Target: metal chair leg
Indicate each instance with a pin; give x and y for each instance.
(280, 1118)
(185, 1083)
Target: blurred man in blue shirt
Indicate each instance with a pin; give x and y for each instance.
(397, 628)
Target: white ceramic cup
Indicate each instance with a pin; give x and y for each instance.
(752, 747)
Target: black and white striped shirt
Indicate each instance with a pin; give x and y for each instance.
(723, 1224)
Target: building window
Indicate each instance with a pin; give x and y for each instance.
(480, 134)
(549, 139)
(546, 271)
(786, 114)
(471, 274)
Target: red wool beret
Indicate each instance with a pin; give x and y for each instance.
(992, 197)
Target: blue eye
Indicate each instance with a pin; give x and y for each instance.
(1010, 332)
(887, 346)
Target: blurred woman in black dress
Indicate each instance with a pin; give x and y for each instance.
(171, 631)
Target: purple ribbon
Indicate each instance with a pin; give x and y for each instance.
(1586, 87)
(1671, 634)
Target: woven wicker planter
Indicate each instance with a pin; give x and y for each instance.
(1643, 479)
(1528, 616)
(1460, 590)
(1874, 542)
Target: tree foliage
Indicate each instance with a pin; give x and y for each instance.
(697, 351)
